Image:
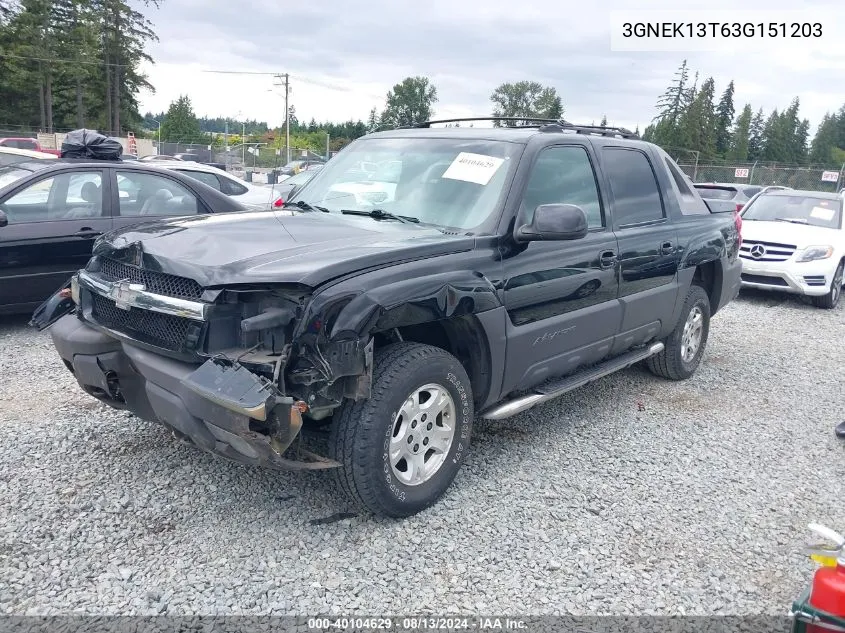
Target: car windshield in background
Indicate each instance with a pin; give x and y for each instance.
(716, 193)
(797, 209)
(11, 173)
(454, 183)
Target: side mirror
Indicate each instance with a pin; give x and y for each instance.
(554, 222)
(4, 219)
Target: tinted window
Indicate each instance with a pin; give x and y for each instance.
(151, 195)
(208, 179)
(750, 191)
(232, 187)
(65, 196)
(563, 175)
(636, 196)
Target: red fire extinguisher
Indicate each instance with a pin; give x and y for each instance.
(827, 593)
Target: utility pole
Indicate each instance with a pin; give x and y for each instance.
(287, 118)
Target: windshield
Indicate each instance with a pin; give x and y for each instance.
(454, 183)
(301, 177)
(10, 174)
(799, 209)
(713, 193)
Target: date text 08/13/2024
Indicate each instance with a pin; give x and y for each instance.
(422, 623)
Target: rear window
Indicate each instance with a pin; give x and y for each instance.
(750, 191)
(716, 193)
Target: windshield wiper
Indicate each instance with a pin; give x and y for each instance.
(381, 214)
(301, 204)
(793, 221)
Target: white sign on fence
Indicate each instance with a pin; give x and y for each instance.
(740, 172)
(830, 176)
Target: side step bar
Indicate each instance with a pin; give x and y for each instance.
(551, 390)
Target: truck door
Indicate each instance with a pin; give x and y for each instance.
(561, 296)
(648, 246)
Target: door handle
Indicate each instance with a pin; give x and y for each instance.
(666, 248)
(607, 259)
(86, 232)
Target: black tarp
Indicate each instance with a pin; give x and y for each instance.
(91, 144)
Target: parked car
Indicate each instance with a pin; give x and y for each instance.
(51, 212)
(396, 321)
(736, 192)
(31, 144)
(284, 189)
(11, 155)
(196, 158)
(251, 195)
(296, 166)
(794, 242)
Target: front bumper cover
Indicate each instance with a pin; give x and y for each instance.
(806, 278)
(220, 406)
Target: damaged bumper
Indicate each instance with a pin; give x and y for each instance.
(221, 407)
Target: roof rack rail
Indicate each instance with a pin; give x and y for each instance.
(561, 125)
(485, 118)
(544, 125)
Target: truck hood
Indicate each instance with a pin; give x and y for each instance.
(276, 246)
(800, 235)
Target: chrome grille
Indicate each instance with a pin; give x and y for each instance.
(154, 281)
(814, 280)
(771, 251)
(162, 330)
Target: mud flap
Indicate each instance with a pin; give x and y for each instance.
(53, 309)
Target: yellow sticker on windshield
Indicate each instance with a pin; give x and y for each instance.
(822, 214)
(470, 167)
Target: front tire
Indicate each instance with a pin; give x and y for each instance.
(684, 348)
(401, 449)
(831, 299)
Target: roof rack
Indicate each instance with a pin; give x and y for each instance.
(561, 125)
(486, 118)
(544, 125)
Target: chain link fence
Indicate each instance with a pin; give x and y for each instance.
(809, 177)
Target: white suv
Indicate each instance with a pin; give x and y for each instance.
(794, 241)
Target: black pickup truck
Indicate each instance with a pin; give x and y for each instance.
(471, 270)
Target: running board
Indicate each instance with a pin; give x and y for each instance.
(553, 389)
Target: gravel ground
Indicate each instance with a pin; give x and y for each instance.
(631, 496)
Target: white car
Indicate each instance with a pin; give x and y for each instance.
(794, 241)
(12, 155)
(251, 195)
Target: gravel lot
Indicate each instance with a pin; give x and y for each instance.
(631, 496)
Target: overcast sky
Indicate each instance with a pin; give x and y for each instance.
(344, 55)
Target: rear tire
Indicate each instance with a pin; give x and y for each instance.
(684, 348)
(831, 299)
(401, 449)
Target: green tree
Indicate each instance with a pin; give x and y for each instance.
(672, 102)
(699, 121)
(372, 120)
(603, 121)
(774, 144)
(755, 136)
(724, 120)
(409, 102)
(529, 99)
(740, 136)
(824, 142)
(180, 125)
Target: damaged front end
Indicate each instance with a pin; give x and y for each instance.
(227, 369)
